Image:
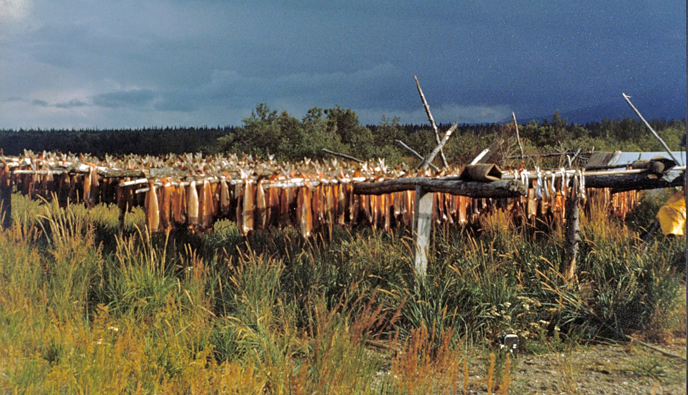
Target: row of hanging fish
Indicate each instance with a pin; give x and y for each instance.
(316, 209)
(259, 194)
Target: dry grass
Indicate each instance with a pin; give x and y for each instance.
(85, 310)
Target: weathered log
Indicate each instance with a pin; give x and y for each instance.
(497, 189)
(629, 182)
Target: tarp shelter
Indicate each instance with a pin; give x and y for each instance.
(618, 158)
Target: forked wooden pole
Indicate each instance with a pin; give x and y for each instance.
(431, 119)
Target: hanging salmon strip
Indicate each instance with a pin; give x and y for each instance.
(215, 192)
(341, 204)
(86, 191)
(205, 206)
(316, 206)
(330, 207)
(166, 204)
(386, 205)
(463, 209)
(532, 203)
(303, 212)
(178, 204)
(239, 195)
(261, 205)
(192, 205)
(397, 204)
(248, 206)
(152, 209)
(224, 198)
(95, 186)
(273, 205)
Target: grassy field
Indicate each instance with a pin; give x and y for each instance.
(84, 309)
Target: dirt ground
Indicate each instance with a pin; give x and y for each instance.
(601, 369)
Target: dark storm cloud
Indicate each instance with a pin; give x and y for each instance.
(138, 98)
(39, 103)
(71, 104)
(211, 62)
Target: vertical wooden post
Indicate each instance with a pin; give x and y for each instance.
(422, 225)
(122, 205)
(6, 202)
(573, 237)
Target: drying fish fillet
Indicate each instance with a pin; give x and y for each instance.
(205, 206)
(303, 212)
(397, 203)
(192, 205)
(261, 205)
(224, 198)
(532, 204)
(165, 204)
(152, 209)
(215, 192)
(273, 205)
(86, 191)
(329, 207)
(462, 210)
(239, 195)
(248, 206)
(178, 198)
(341, 204)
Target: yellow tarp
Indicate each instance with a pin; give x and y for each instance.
(672, 216)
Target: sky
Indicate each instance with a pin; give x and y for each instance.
(131, 63)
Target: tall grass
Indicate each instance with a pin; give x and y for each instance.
(86, 309)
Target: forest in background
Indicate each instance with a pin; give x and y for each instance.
(269, 132)
(89, 307)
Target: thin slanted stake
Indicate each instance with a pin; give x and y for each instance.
(518, 137)
(416, 154)
(345, 156)
(666, 147)
(573, 237)
(433, 154)
(431, 119)
(480, 156)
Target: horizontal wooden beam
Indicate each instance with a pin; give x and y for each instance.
(474, 189)
(629, 182)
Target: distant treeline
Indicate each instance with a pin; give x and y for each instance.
(267, 132)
